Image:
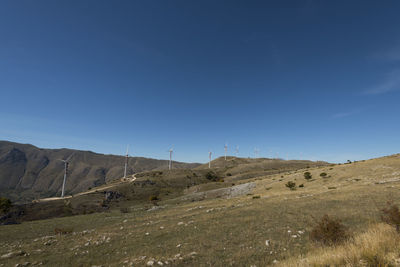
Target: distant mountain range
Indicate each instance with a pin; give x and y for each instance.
(28, 172)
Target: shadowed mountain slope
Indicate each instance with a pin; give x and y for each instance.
(28, 172)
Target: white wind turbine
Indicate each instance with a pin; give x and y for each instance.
(209, 159)
(126, 160)
(171, 150)
(237, 151)
(256, 151)
(226, 149)
(66, 163)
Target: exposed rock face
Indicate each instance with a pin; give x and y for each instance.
(28, 172)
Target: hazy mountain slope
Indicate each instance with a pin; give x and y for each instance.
(28, 172)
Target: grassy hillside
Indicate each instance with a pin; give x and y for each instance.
(263, 224)
(28, 172)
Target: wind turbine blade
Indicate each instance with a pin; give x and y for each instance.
(70, 157)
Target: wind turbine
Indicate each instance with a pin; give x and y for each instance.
(226, 149)
(126, 160)
(66, 163)
(256, 151)
(171, 150)
(209, 157)
(237, 151)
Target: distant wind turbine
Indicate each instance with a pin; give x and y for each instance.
(66, 163)
(256, 151)
(237, 151)
(171, 150)
(126, 160)
(226, 149)
(209, 157)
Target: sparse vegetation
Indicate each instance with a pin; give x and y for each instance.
(153, 198)
(291, 185)
(329, 231)
(307, 176)
(302, 185)
(391, 215)
(211, 176)
(124, 209)
(5, 204)
(63, 231)
(323, 174)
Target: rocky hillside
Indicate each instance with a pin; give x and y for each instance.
(28, 172)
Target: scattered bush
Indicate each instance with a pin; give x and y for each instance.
(307, 175)
(391, 215)
(329, 231)
(211, 176)
(153, 198)
(229, 174)
(63, 231)
(291, 185)
(254, 197)
(323, 174)
(124, 209)
(302, 185)
(5, 204)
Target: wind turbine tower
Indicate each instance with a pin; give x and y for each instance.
(256, 151)
(226, 149)
(209, 161)
(126, 160)
(237, 151)
(170, 158)
(66, 163)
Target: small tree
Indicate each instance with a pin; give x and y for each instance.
(391, 215)
(291, 185)
(307, 176)
(5, 204)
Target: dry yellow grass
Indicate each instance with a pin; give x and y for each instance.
(378, 246)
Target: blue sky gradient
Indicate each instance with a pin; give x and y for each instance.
(310, 79)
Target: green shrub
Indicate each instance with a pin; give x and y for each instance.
(153, 198)
(391, 215)
(63, 231)
(211, 176)
(329, 231)
(307, 176)
(124, 209)
(302, 185)
(5, 204)
(291, 185)
(323, 174)
(254, 197)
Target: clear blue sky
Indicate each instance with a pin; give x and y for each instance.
(321, 78)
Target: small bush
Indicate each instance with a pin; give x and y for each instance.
(211, 176)
(229, 174)
(302, 185)
(254, 197)
(307, 176)
(5, 204)
(391, 215)
(323, 174)
(153, 198)
(291, 185)
(63, 231)
(124, 209)
(329, 231)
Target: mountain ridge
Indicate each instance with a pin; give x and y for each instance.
(28, 172)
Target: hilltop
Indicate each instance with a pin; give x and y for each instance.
(28, 172)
